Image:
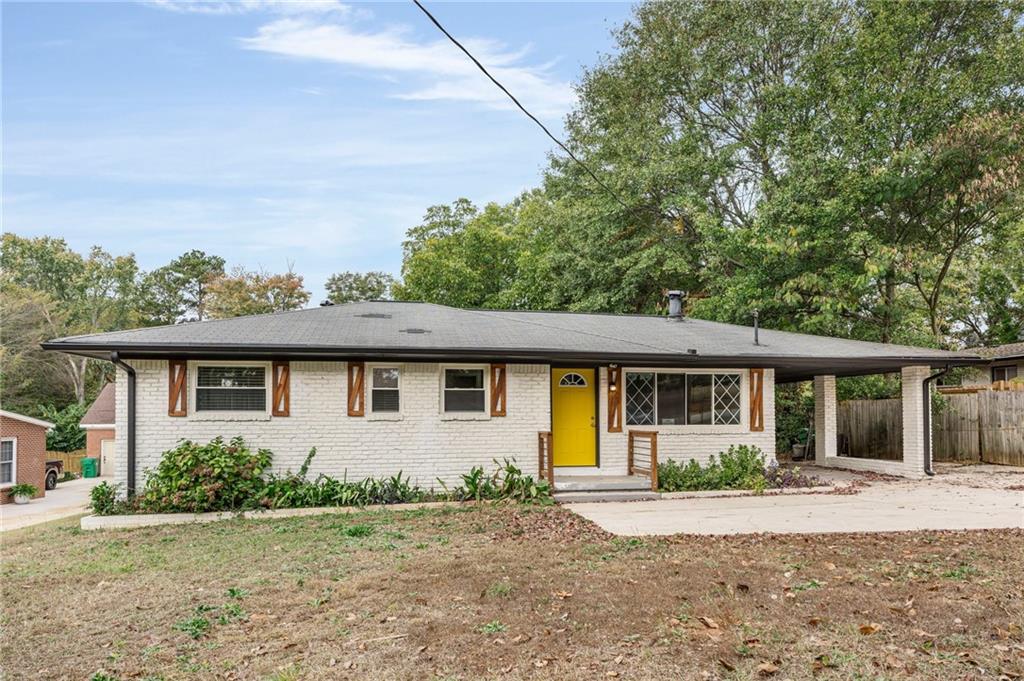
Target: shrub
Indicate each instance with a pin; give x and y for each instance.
(740, 467)
(196, 478)
(103, 499)
(66, 435)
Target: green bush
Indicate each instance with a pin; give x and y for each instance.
(740, 467)
(23, 489)
(66, 435)
(507, 482)
(103, 499)
(196, 478)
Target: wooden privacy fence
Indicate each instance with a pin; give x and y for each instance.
(986, 426)
(72, 460)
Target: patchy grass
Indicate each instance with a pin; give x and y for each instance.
(504, 592)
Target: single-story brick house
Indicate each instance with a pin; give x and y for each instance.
(100, 432)
(429, 390)
(22, 453)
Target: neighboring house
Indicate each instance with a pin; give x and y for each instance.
(432, 391)
(22, 452)
(98, 423)
(1005, 363)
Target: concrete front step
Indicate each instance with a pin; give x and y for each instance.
(593, 496)
(601, 483)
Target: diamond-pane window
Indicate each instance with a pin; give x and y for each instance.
(727, 399)
(640, 399)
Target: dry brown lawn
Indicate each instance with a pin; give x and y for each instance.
(505, 592)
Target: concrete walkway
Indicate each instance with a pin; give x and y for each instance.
(70, 498)
(941, 503)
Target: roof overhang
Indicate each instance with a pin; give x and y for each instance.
(26, 419)
(789, 368)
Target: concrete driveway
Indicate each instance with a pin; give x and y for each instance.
(70, 498)
(956, 499)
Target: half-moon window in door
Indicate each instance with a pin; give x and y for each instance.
(572, 380)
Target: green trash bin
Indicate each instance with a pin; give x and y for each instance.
(89, 467)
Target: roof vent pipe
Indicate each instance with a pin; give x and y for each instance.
(757, 326)
(675, 305)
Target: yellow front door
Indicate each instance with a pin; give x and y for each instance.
(573, 417)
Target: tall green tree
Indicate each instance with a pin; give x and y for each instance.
(245, 292)
(178, 291)
(350, 287)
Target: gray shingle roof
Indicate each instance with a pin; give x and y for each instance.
(411, 330)
(1006, 351)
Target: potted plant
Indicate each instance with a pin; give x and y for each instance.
(22, 492)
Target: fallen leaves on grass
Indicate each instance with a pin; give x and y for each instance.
(869, 628)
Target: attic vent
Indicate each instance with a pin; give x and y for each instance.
(414, 330)
(374, 315)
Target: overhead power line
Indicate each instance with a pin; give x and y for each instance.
(522, 108)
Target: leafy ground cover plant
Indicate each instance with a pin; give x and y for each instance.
(740, 467)
(230, 476)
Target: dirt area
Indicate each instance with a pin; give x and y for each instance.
(504, 592)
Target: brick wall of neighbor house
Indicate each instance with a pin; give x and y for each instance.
(423, 444)
(31, 454)
(94, 438)
(683, 443)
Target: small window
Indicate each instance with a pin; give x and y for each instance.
(7, 471)
(464, 390)
(384, 391)
(231, 388)
(1004, 373)
(572, 380)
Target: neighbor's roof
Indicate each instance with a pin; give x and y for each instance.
(994, 352)
(26, 419)
(101, 413)
(423, 331)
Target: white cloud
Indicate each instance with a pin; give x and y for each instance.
(220, 7)
(441, 70)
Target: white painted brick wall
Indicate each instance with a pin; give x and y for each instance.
(826, 415)
(683, 443)
(914, 406)
(423, 444)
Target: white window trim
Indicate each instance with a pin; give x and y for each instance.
(193, 379)
(484, 415)
(14, 462)
(709, 428)
(371, 415)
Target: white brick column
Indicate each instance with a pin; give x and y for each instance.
(914, 406)
(825, 418)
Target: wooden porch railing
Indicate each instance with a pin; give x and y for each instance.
(545, 469)
(643, 455)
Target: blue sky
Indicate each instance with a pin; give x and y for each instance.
(276, 133)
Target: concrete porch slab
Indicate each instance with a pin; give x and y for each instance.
(601, 483)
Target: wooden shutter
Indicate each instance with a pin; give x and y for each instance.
(614, 399)
(282, 389)
(356, 388)
(498, 372)
(177, 387)
(757, 400)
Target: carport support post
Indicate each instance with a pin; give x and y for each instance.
(825, 418)
(915, 404)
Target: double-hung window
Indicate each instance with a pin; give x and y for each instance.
(7, 461)
(231, 388)
(676, 398)
(464, 391)
(384, 390)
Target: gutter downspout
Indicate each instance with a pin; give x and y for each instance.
(131, 420)
(928, 420)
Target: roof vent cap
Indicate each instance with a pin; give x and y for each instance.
(414, 330)
(675, 304)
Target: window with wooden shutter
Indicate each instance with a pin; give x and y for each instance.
(614, 399)
(282, 389)
(757, 400)
(177, 387)
(498, 373)
(356, 388)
